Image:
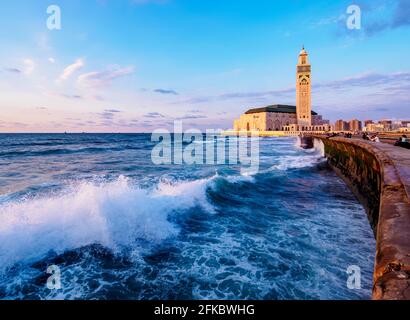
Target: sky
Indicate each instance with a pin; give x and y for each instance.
(140, 65)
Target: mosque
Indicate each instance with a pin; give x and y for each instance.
(287, 118)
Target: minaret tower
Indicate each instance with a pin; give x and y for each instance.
(303, 90)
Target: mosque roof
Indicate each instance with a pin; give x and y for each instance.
(276, 108)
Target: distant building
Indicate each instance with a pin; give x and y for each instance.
(341, 125)
(400, 125)
(366, 122)
(375, 127)
(281, 117)
(387, 124)
(396, 125)
(355, 125)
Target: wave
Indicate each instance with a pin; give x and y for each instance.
(60, 151)
(297, 162)
(309, 158)
(114, 214)
(240, 179)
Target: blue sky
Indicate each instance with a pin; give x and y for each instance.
(137, 65)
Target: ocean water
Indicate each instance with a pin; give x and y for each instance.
(119, 227)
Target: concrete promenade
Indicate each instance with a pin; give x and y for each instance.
(401, 160)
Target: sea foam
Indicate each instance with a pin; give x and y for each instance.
(305, 158)
(114, 214)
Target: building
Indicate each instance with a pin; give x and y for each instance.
(405, 123)
(397, 125)
(387, 124)
(273, 118)
(303, 90)
(375, 127)
(281, 117)
(341, 125)
(355, 125)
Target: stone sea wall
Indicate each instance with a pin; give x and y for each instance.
(375, 180)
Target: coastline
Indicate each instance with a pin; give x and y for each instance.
(379, 175)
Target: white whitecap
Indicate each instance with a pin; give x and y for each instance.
(113, 214)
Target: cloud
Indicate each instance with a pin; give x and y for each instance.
(329, 21)
(376, 27)
(380, 109)
(75, 96)
(369, 79)
(29, 66)
(154, 115)
(51, 60)
(377, 16)
(196, 100)
(97, 79)
(191, 116)
(239, 95)
(402, 15)
(165, 91)
(365, 94)
(106, 115)
(194, 111)
(399, 17)
(12, 70)
(71, 96)
(257, 94)
(72, 68)
(13, 124)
